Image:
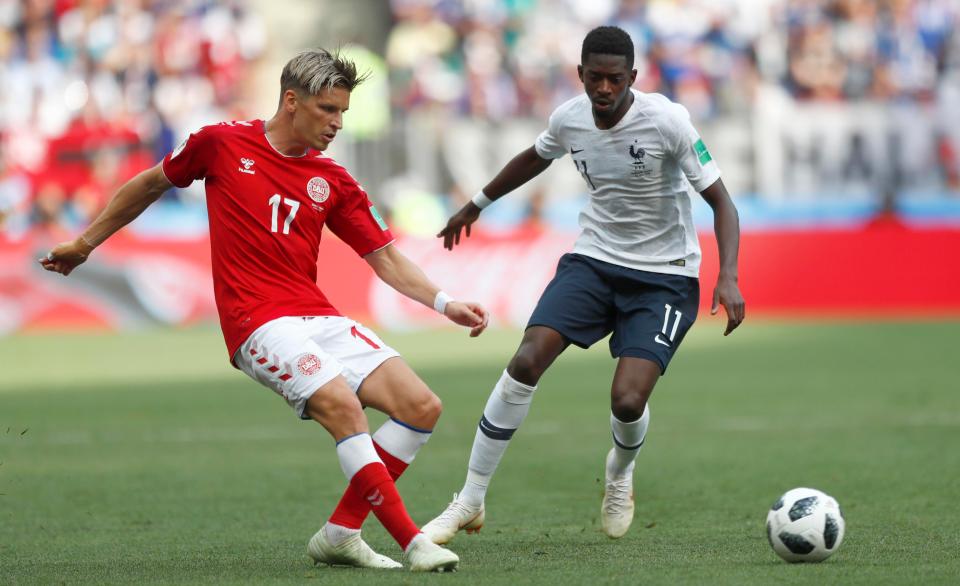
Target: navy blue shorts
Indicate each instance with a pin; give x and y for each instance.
(648, 313)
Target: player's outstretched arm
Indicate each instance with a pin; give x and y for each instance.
(396, 270)
(522, 168)
(128, 203)
(726, 225)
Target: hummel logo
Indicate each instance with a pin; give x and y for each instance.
(247, 163)
(574, 151)
(376, 499)
(660, 340)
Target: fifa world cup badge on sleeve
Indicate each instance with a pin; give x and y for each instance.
(702, 153)
(377, 217)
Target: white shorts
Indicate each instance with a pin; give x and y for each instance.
(295, 356)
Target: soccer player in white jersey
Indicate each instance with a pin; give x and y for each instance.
(633, 270)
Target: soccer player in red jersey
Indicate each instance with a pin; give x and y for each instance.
(270, 190)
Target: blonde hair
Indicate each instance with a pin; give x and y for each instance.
(315, 70)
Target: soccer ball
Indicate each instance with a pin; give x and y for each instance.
(805, 525)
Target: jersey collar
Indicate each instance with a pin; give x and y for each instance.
(263, 132)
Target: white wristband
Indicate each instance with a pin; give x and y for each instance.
(481, 200)
(440, 302)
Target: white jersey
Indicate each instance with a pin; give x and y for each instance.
(638, 215)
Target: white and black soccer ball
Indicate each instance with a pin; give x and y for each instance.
(805, 525)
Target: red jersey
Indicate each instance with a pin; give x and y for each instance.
(266, 213)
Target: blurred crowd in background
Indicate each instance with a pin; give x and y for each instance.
(494, 58)
(95, 91)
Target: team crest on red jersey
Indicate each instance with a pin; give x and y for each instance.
(308, 364)
(318, 189)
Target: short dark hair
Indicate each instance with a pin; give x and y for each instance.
(608, 40)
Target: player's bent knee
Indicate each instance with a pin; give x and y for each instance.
(422, 410)
(526, 367)
(628, 407)
(538, 349)
(426, 412)
(434, 407)
(337, 409)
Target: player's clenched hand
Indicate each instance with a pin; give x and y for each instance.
(66, 256)
(728, 294)
(467, 215)
(469, 314)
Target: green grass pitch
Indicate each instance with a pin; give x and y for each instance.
(144, 458)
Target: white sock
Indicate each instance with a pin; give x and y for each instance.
(627, 441)
(506, 409)
(337, 534)
(401, 440)
(355, 452)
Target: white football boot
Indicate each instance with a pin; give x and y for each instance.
(616, 511)
(352, 551)
(426, 556)
(455, 517)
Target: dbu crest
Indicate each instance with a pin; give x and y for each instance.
(318, 189)
(309, 364)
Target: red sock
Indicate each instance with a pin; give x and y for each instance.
(374, 483)
(352, 510)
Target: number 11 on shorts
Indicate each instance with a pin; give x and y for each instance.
(666, 324)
